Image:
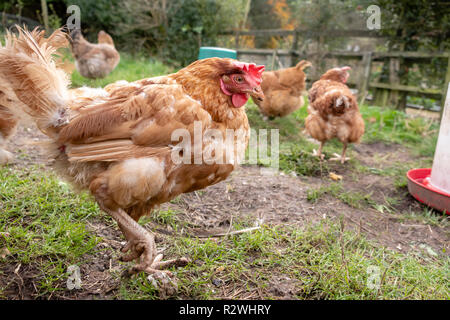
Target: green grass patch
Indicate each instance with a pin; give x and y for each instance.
(322, 262)
(354, 199)
(394, 126)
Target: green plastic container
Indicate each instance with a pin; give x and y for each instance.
(209, 52)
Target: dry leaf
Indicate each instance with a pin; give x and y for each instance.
(335, 177)
(220, 269)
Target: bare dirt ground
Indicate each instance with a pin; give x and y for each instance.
(274, 199)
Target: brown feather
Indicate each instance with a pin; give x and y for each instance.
(283, 90)
(333, 111)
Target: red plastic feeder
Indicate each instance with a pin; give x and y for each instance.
(420, 188)
(432, 186)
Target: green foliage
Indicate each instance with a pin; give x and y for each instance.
(416, 25)
(393, 126)
(174, 30)
(330, 14)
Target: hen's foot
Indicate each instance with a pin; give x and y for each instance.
(320, 155)
(145, 250)
(338, 157)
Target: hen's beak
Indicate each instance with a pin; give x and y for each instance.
(257, 93)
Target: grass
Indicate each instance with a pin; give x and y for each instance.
(37, 209)
(354, 199)
(322, 261)
(46, 223)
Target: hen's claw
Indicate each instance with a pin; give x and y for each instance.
(157, 265)
(137, 247)
(144, 250)
(338, 157)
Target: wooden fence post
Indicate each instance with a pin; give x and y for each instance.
(273, 59)
(365, 76)
(394, 95)
(294, 48)
(236, 39)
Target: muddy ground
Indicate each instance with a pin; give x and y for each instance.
(253, 195)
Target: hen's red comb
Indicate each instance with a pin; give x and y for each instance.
(252, 69)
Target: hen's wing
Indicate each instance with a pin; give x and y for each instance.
(134, 120)
(314, 91)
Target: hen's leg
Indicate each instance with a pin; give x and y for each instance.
(140, 243)
(342, 157)
(319, 152)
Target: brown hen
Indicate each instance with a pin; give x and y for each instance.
(283, 90)
(94, 60)
(333, 112)
(120, 142)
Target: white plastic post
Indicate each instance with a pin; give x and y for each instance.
(440, 173)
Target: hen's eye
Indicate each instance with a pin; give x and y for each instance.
(238, 79)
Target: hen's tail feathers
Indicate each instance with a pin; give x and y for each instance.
(30, 82)
(303, 64)
(105, 38)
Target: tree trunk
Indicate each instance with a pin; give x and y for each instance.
(45, 14)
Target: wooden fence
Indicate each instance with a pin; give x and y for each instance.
(393, 93)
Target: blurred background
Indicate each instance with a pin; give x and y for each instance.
(404, 63)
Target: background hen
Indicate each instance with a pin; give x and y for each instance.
(333, 111)
(283, 90)
(117, 141)
(94, 60)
